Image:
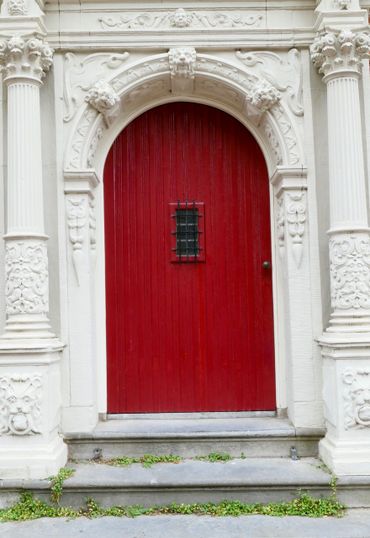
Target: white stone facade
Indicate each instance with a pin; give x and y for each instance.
(296, 74)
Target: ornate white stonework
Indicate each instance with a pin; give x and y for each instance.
(331, 51)
(20, 404)
(182, 62)
(77, 217)
(350, 271)
(264, 96)
(104, 99)
(296, 219)
(17, 7)
(356, 398)
(25, 58)
(181, 19)
(342, 4)
(26, 271)
(280, 225)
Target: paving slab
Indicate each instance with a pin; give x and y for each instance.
(355, 524)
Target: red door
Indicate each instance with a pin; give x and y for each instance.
(187, 232)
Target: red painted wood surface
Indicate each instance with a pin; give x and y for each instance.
(185, 337)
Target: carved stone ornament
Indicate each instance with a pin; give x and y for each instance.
(26, 271)
(104, 99)
(20, 404)
(17, 7)
(350, 271)
(356, 398)
(280, 225)
(25, 58)
(77, 218)
(296, 219)
(332, 52)
(181, 19)
(264, 96)
(342, 4)
(182, 62)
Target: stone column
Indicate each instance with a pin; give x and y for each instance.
(346, 342)
(30, 395)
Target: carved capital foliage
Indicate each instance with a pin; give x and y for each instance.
(20, 404)
(27, 278)
(104, 99)
(333, 52)
(350, 271)
(25, 58)
(356, 398)
(182, 62)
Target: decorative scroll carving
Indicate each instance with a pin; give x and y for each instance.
(79, 137)
(26, 269)
(20, 404)
(280, 225)
(81, 75)
(285, 74)
(104, 99)
(288, 133)
(296, 219)
(76, 220)
(17, 7)
(357, 398)
(181, 19)
(26, 58)
(332, 52)
(94, 145)
(143, 91)
(350, 271)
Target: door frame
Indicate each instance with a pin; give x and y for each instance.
(278, 138)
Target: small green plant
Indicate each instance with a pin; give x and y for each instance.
(146, 461)
(30, 508)
(57, 481)
(215, 457)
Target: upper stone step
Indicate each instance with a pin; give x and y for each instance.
(189, 437)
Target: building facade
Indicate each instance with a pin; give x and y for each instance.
(295, 75)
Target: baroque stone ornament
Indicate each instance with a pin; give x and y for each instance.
(350, 271)
(182, 62)
(20, 404)
(356, 398)
(26, 271)
(264, 96)
(296, 219)
(332, 52)
(77, 218)
(342, 4)
(280, 225)
(104, 99)
(181, 19)
(25, 58)
(17, 7)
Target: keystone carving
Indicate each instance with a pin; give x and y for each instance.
(332, 52)
(182, 68)
(20, 404)
(356, 398)
(104, 99)
(25, 58)
(26, 269)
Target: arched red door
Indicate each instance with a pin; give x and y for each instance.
(188, 277)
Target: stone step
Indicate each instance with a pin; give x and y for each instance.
(255, 437)
(250, 480)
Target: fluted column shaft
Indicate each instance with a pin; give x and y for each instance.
(338, 57)
(24, 63)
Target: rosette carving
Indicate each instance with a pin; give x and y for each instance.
(25, 58)
(332, 52)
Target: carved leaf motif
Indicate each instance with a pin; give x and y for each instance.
(296, 219)
(20, 404)
(77, 220)
(350, 271)
(26, 268)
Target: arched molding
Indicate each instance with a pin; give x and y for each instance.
(115, 101)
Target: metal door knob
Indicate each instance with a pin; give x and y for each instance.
(266, 265)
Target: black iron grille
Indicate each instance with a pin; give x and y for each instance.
(187, 232)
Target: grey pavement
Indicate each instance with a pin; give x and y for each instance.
(355, 524)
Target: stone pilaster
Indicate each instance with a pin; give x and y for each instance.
(346, 342)
(30, 385)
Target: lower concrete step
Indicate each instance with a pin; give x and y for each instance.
(255, 480)
(255, 437)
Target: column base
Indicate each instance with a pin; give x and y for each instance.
(346, 457)
(20, 460)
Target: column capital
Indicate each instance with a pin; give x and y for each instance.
(25, 57)
(333, 53)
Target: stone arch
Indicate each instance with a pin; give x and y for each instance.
(182, 74)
